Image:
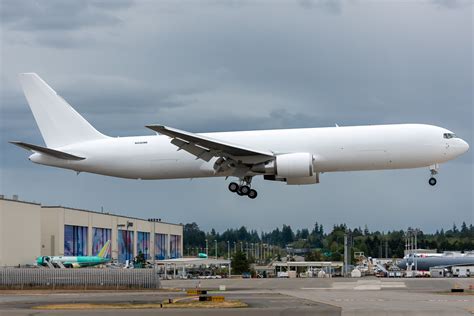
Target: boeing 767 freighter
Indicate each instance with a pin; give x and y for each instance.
(294, 156)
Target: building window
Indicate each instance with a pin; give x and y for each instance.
(125, 245)
(75, 240)
(175, 246)
(161, 246)
(143, 244)
(99, 237)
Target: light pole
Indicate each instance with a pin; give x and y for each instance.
(416, 230)
(118, 244)
(207, 248)
(216, 247)
(153, 221)
(228, 250)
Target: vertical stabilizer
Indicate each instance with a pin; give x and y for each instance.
(105, 250)
(58, 122)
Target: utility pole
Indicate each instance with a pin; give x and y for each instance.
(207, 247)
(416, 248)
(345, 255)
(216, 247)
(228, 250)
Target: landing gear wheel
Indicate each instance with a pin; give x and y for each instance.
(245, 189)
(233, 187)
(432, 181)
(240, 192)
(252, 194)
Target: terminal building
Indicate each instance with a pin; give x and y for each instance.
(29, 230)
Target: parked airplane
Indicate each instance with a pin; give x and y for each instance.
(76, 261)
(294, 156)
(425, 263)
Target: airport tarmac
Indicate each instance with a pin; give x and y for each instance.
(337, 296)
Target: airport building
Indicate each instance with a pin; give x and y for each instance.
(29, 230)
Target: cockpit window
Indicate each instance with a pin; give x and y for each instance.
(449, 135)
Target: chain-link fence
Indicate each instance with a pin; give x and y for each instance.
(82, 278)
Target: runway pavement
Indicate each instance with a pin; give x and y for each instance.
(276, 297)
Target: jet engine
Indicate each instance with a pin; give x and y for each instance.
(294, 169)
(295, 165)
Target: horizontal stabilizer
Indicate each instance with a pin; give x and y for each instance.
(47, 151)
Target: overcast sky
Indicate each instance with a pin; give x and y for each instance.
(236, 65)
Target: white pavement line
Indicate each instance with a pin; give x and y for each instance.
(393, 285)
(368, 287)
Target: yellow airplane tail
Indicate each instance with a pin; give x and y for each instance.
(105, 250)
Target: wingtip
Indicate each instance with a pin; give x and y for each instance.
(28, 74)
(155, 127)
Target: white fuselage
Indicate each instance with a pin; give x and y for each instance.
(334, 149)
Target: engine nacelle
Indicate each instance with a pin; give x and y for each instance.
(295, 165)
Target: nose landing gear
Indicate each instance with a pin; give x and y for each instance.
(243, 188)
(434, 171)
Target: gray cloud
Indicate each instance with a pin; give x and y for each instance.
(452, 4)
(330, 6)
(58, 24)
(56, 15)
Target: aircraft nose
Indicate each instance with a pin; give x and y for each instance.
(460, 147)
(464, 146)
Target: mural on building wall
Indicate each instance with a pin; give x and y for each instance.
(75, 240)
(99, 237)
(143, 244)
(161, 242)
(175, 246)
(125, 245)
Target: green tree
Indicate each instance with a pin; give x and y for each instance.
(193, 236)
(315, 255)
(287, 234)
(140, 260)
(240, 263)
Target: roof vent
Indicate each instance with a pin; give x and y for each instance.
(15, 197)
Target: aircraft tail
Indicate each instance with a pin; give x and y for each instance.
(105, 250)
(58, 122)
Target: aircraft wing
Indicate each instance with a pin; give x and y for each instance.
(205, 148)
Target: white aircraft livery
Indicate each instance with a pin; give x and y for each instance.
(294, 156)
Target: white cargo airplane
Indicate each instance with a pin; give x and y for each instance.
(294, 156)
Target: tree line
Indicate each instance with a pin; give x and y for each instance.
(326, 245)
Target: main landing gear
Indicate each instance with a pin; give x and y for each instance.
(434, 171)
(243, 188)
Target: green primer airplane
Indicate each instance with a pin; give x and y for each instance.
(76, 261)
